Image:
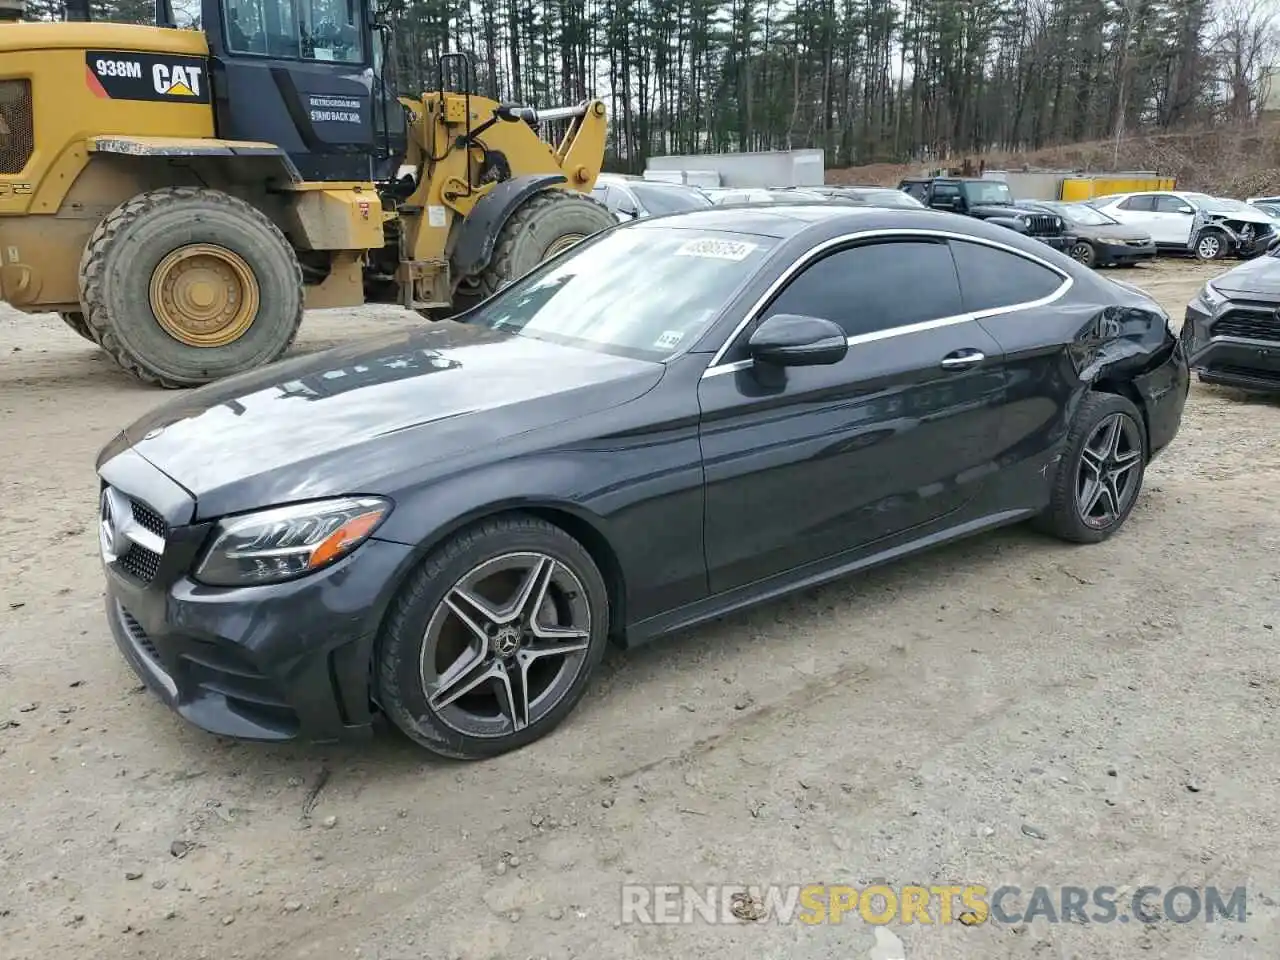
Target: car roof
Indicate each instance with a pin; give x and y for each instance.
(822, 221)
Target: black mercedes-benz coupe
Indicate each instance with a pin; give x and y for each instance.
(677, 418)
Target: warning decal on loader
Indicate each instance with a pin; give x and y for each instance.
(118, 75)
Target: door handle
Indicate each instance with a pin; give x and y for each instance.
(962, 358)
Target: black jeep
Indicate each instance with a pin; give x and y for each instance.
(990, 200)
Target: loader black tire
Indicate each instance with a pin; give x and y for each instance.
(539, 229)
(124, 252)
(75, 320)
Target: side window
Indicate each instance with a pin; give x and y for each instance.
(946, 191)
(330, 30)
(1138, 204)
(991, 278)
(601, 194)
(876, 287)
(1170, 204)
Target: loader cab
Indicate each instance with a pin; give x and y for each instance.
(310, 76)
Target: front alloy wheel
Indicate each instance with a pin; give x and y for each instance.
(1082, 252)
(493, 639)
(1210, 246)
(505, 644)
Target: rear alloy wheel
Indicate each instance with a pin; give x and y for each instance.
(1100, 474)
(1212, 245)
(1082, 252)
(492, 642)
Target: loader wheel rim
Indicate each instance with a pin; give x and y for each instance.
(564, 243)
(204, 295)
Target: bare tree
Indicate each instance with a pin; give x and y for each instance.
(1244, 45)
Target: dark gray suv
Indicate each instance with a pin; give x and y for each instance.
(1232, 328)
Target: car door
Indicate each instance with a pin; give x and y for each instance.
(1015, 297)
(1174, 217)
(1137, 210)
(807, 463)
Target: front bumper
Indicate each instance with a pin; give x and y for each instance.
(1118, 252)
(1062, 243)
(275, 662)
(1236, 345)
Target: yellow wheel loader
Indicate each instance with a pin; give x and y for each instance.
(180, 197)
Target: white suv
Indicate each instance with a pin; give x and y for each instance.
(1227, 226)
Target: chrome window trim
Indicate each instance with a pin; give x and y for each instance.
(715, 367)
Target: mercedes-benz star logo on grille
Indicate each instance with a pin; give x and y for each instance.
(115, 513)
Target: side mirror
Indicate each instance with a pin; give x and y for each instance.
(789, 340)
(1188, 211)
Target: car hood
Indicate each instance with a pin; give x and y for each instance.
(361, 417)
(1259, 277)
(996, 210)
(1109, 231)
(1244, 216)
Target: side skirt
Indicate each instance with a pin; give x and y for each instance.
(810, 575)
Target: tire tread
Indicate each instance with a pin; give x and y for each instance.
(101, 324)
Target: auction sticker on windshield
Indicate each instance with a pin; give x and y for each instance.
(716, 249)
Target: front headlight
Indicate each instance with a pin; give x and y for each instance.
(287, 542)
(1211, 297)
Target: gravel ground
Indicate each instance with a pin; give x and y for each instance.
(1006, 711)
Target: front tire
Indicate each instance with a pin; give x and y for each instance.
(1084, 253)
(1211, 245)
(492, 641)
(76, 321)
(184, 286)
(545, 225)
(1099, 476)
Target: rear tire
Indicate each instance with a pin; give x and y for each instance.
(76, 321)
(545, 225)
(1099, 476)
(443, 678)
(184, 286)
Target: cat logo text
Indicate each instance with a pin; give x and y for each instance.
(179, 81)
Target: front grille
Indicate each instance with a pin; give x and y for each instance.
(140, 563)
(148, 519)
(1138, 243)
(133, 535)
(17, 133)
(1252, 324)
(1042, 225)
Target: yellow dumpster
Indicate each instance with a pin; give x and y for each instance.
(1086, 187)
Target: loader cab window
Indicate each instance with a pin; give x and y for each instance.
(323, 30)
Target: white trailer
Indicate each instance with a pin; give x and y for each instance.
(771, 168)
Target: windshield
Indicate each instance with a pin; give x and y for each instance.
(658, 200)
(989, 191)
(639, 291)
(1220, 205)
(1079, 213)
